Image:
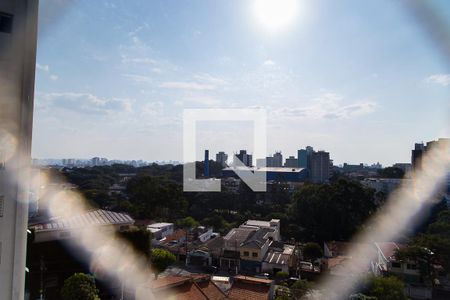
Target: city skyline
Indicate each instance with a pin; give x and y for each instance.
(357, 80)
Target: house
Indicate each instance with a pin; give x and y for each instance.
(59, 228)
(160, 230)
(194, 287)
(251, 288)
(339, 260)
(280, 257)
(246, 246)
(387, 263)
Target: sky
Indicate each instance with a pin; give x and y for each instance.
(363, 80)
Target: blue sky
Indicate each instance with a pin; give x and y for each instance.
(361, 79)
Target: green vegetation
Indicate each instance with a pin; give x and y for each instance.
(386, 288)
(312, 251)
(391, 172)
(161, 259)
(79, 286)
(312, 213)
(300, 288)
(431, 248)
(331, 211)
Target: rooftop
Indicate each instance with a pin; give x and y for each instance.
(97, 217)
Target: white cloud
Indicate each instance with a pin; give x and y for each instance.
(84, 103)
(44, 68)
(328, 106)
(54, 77)
(186, 85)
(442, 79)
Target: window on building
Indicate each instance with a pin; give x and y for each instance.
(395, 265)
(411, 266)
(246, 253)
(254, 254)
(6, 21)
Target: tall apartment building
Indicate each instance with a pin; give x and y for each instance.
(18, 34)
(420, 149)
(206, 164)
(275, 161)
(246, 159)
(221, 158)
(320, 167)
(291, 162)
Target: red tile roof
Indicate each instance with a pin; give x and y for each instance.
(250, 288)
(196, 287)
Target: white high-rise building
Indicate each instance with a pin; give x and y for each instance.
(18, 33)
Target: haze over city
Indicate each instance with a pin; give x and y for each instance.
(364, 83)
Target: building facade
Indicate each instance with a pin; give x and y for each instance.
(18, 35)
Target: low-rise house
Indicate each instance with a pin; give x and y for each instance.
(251, 288)
(340, 261)
(160, 230)
(195, 287)
(245, 247)
(280, 257)
(387, 263)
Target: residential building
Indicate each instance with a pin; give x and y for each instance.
(291, 162)
(206, 164)
(193, 287)
(160, 230)
(245, 247)
(222, 158)
(58, 228)
(387, 263)
(420, 149)
(385, 185)
(338, 260)
(18, 36)
(246, 288)
(302, 155)
(274, 174)
(280, 257)
(245, 158)
(320, 167)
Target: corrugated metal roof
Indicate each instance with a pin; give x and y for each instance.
(93, 217)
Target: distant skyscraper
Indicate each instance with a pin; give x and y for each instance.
(416, 155)
(221, 158)
(291, 162)
(246, 159)
(278, 159)
(320, 167)
(302, 158)
(18, 33)
(206, 164)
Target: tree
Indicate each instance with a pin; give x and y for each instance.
(140, 239)
(391, 172)
(161, 259)
(300, 288)
(331, 211)
(312, 251)
(156, 197)
(188, 222)
(79, 286)
(280, 275)
(386, 288)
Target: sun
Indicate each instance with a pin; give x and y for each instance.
(275, 15)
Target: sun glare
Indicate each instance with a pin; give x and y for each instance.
(275, 15)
